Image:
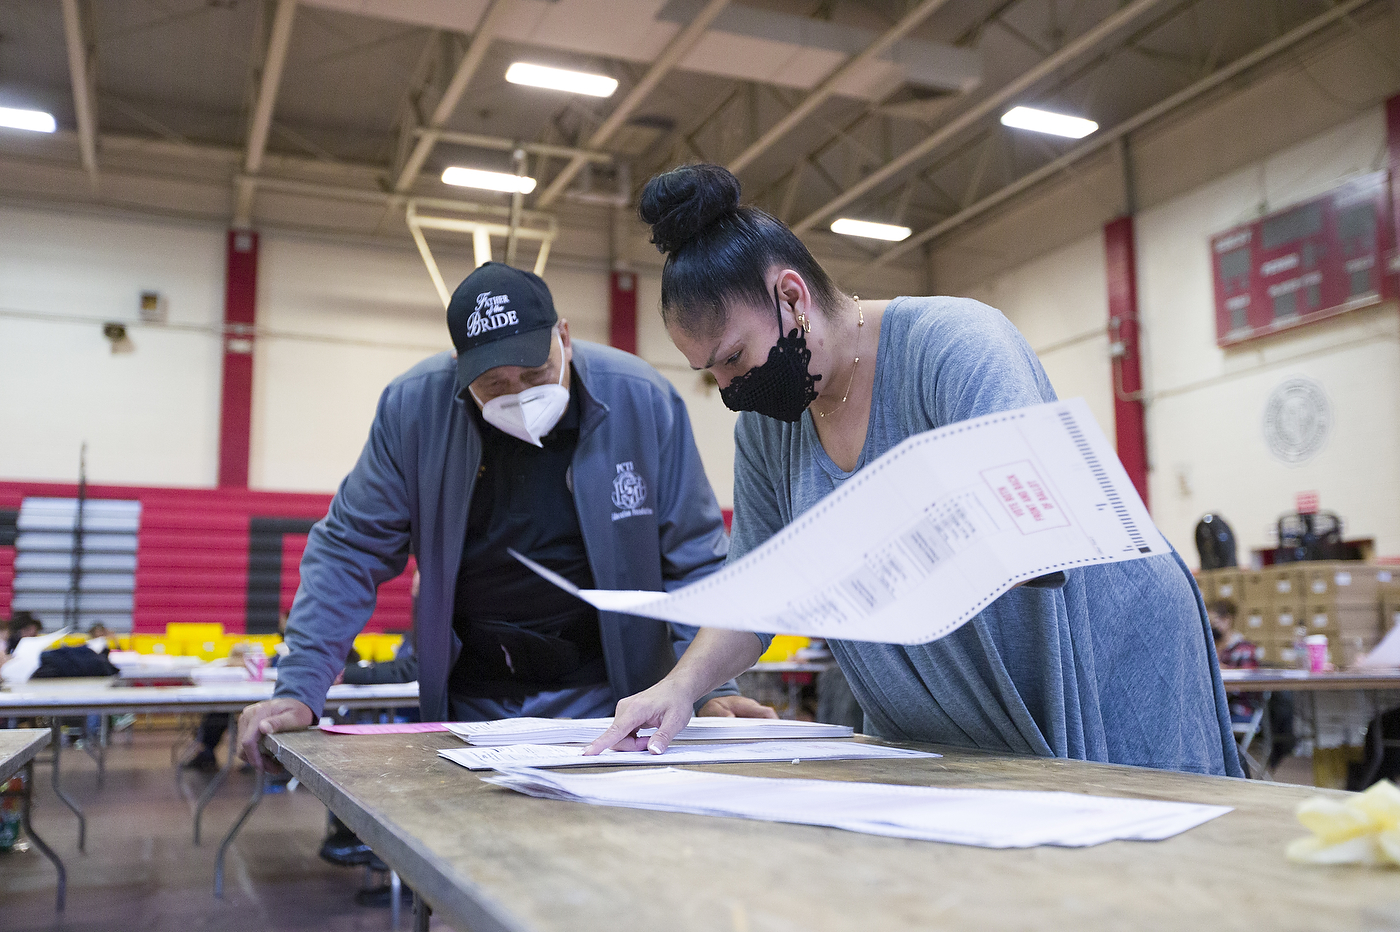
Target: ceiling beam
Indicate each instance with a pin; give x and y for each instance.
(485, 34)
(278, 41)
(502, 144)
(812, 101)
(83, 74)
(988, 105)
(681, 43)
(1132, 124)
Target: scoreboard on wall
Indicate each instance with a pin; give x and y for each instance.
(1313, 260)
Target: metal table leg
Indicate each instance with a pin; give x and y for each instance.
(26, 801)
(219, 777)
(422, 913)
(228, 839)
(1376, 740)
(56, 729)
(395, 887)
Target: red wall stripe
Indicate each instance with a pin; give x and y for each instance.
(1128, 417)
(622, 310)
(192, 553)
(240, 315)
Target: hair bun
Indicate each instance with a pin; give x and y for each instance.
(682, 203)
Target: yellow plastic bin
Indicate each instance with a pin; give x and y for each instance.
(783, 648)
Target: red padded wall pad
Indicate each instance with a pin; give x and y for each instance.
(209, 555)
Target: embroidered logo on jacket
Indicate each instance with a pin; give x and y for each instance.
(490, 314)
(629, 492)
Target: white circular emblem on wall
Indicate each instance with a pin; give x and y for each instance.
(1297, 420)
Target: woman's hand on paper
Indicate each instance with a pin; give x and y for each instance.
(714, 656)
(667, 707)
(267, 718)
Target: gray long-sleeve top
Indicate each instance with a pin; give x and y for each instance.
(1114, 665)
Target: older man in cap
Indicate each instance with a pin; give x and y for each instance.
(577, 455)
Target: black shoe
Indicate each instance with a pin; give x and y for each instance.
(345, 849)
(382, 897)
(204, 762)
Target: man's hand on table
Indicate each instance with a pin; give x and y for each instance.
(736, 707)
(267, 718)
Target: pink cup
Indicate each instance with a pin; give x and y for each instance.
(1317, 652)
(255, 663)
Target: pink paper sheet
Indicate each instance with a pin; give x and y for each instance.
(395, 728)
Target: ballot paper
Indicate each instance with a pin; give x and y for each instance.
(921, 540)
(385, 728)
(564, 755)
(986, 818)
(587, 730)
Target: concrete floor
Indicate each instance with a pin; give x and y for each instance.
(142, 870)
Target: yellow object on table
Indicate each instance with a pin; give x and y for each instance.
(1364, 829)
(194, 631)
(784, 646)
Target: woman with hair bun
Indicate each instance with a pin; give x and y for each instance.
(1108, 663)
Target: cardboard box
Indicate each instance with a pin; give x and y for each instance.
(1217, 585)
(1344, 582)
(1277, 654)
(1284, 583)
(1345, 649)
(1332, 620)
(1255, 588)
(1250, 622)
(1390, 611)
(1229, 585)
(1282, 620)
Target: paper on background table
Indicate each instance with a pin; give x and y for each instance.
(987, 818)
(585, 730)
(921, 540)
(1385, 655)
(564, 755)
(386, 728)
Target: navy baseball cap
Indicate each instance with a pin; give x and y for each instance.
(500, 316)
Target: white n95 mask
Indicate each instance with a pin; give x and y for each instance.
(531, 414)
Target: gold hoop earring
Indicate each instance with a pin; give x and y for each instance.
(802, 322)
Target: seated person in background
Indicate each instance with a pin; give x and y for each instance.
(402, 669)
(1235, 653)
(577, 455)
(1238, 653)
(215, 724)
(22, 625)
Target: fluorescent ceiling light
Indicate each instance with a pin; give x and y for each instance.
(34, 120)
(1043, 121)
(886, 231)
(488, 181)
(557, 79)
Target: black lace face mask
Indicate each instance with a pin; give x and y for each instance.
(781, 388)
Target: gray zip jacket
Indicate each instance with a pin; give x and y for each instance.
(648, 515)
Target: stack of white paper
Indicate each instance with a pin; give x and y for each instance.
(586, 730)
(987, 818)
(560, 755)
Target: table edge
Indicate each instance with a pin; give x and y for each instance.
(14, 763)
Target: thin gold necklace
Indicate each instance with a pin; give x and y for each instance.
(859, 324)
